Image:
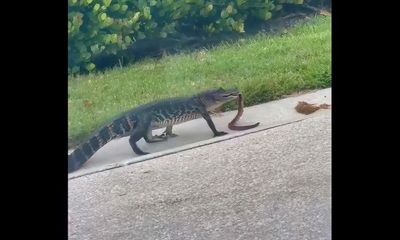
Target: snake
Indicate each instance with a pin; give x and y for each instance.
(232, 124)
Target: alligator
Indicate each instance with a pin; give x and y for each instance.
(139, 122)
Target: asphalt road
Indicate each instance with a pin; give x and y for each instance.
(271, 184)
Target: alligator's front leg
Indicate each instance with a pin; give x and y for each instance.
(210, 123)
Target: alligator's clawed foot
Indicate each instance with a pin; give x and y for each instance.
(163, 137)
(220, 134)
(154, 139)
(166, 135)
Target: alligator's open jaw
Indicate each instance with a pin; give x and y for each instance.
(233, 93)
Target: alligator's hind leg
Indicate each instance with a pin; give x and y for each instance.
(167, 132)
(149, 138)
(137, 134)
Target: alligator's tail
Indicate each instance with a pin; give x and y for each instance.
(84, 151)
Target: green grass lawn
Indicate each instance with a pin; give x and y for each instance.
(262, 67)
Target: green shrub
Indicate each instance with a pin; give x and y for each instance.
(109, 27)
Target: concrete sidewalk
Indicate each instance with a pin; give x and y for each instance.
(196, 133)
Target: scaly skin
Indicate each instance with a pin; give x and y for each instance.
(139, 122)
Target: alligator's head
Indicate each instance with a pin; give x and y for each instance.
(215, 98)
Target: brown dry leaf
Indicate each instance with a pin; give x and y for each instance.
(306, 108)
(325, 106)
(87, 103)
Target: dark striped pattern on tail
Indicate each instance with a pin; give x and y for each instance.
(84, 151)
